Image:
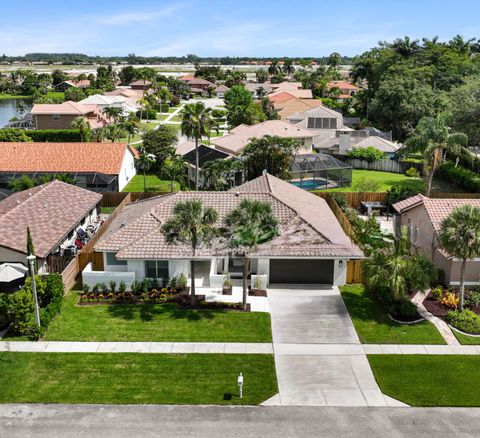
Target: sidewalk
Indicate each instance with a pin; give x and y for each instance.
(137, 347)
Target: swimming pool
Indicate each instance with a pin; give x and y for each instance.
(310, 184)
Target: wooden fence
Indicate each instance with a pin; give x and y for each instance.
(340, 215)
(113, 199)
(355, 271)
(392, 166)
(355, 198)
(69, 274)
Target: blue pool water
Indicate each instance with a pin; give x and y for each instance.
(309, 184)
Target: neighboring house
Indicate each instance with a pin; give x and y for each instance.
(53, 212)
(135, 95)
(239, 137)
(61, 116)
(423, 217)
(126, 104)
(286, 108)
(311, 247)
(100, 167)
(347, 140)
(140, 85)
(205, 154)
(347, 89)
(284, 95)
(65, 85)
(197, 85)
(254, 88)
(221, 90)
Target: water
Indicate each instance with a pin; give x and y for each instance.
(309, 184)
(12, 108)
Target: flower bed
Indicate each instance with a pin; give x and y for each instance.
(257, 293)
(153, 296)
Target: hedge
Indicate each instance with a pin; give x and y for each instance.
(464, 178)
(57, 135)
(152, 114)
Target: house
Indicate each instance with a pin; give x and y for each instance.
(126, 104)
(284, 95)
(347, 140)
(423, 217)
(53, 212)
(65, 85)
(140, 85)
(221, 90)
(347, 89)
(286, 108)
(199, 85)
(239, 137)
(61, 116)
(257, 89)
(99, 167)
(135, 95)
(311, 247)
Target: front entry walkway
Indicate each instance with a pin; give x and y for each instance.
(304, 319)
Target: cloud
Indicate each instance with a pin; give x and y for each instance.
(141, 16)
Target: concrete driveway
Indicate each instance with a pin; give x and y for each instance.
(318, 356)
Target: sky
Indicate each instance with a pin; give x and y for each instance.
(260, 28)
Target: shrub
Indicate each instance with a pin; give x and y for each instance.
(437, 293)
(57, 135)
(228, 283)
(465, 178)
(104, 288)
(403, 310)
(96, 288)
(135, 286)
(368, 154)
(466, 321)
(19, 308)
(113, 286)
(55, 289)
(153, 283)
(450, 300)
(182, 281)
(341, 200)
(175, 101)
(473, 298)
(150, 114)
(122, 287)
(412, 172)
(173, 283)
(14, 135)
(86, 288)
(398, 193)
(144, 286)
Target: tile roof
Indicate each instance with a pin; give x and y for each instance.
(69, 107)
(284, 95)
(343, 85)
(378, 143)
(221, 88)
(292, 106)
(104, 158)
(50, 210)
(240, 136)
(437, 209)
(307, 225)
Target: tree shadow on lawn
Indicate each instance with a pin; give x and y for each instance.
(149, 312)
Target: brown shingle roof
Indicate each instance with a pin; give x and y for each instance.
(104, 158)
(50, 210)
(307, 225)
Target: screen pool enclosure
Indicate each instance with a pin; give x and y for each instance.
(320, 171)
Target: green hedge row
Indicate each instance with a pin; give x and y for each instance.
(57, 135)
(151, 114)
(464, 178)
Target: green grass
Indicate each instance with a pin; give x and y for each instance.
(373, 325)
(384, 181)
(172, 109)
(55, 95)
(155, 323)
(107, 210)
(129, 378)
(176, 118)
(154, 184)
(138, 136)
(162, 117)
(466, 340)
(429, 380)
(13, 96)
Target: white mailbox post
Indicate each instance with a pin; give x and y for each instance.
(240, 384)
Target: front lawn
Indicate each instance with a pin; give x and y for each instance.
(373, 325)
(371, 180)
(155, 323)
(429, 380)
(154, 184)
(466, 340)
(129, 378)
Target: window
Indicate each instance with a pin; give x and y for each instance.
(112, 259)
(156, 268)
(56, 117)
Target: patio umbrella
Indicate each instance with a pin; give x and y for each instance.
(12, 271)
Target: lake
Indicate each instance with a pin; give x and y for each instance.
(12, 108)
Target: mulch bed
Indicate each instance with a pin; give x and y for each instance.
(434, 307)
(257, 293)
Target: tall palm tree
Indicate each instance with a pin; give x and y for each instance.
(405, 47)
(174, 169)
(82, 125)
(273, 68)
(288, 67)
(113, 113)
(197, 122)
(460, 237)
(130, 126)
(432, 136)
(334, 60)
(113, 132)
(144, 161)
(249, 225)
(193, 224)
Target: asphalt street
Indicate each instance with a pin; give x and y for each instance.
(55, 421)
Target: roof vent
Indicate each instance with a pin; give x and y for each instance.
(18, 202)
(237, 194)
(123, 224)
(46, 205)
(264, 172)
(29, 194)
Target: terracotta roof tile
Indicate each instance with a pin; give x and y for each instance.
(104, 158)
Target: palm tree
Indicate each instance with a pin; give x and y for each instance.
(82, 125)
(144, 161)
(334, 60)
(395, 269)
(460, 237)
(112, 113)
(113, 132)
(432, 136)
(273, 69)
(288, 67)
(130, 126)
(98, 134)
(174, 169)
(192, 223)
(405, 47)
(250, 224)
(196, 123)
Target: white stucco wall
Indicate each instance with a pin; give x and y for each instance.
(339, 273)
(91, 278)
(127, 171)
(177, 267)
(137, 266)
